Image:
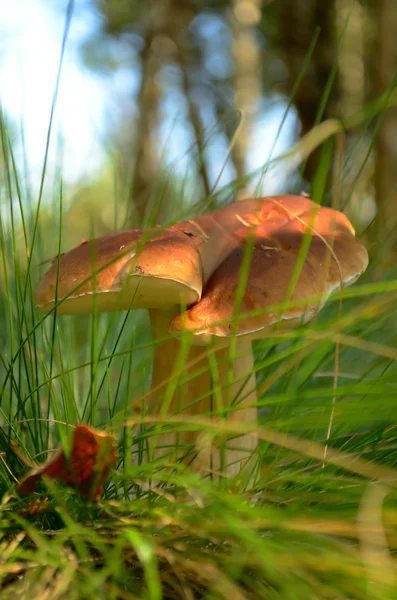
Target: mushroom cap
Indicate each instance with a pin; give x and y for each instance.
(335, 258)
(158, 268)
(128, 269)
(161, 268)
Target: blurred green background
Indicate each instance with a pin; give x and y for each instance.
(119, 114)
(161, 104)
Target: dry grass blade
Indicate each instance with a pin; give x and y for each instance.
(354, 464)
(379, 565)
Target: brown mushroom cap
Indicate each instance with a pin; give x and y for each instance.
(335, 259)
(166, 267)
(158, 268)
(122, 271)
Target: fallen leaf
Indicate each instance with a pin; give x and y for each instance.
(92, 454)
(35, 507)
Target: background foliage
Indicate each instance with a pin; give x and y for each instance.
(320, 519)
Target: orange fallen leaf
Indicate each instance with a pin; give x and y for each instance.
(92, 454)
(34, 507)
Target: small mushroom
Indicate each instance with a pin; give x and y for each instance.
(198, 264)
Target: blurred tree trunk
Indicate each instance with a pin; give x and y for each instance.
(246, 16)
(299, 21)
(138, 147)
(355, 34)
(386, 139)
(145, 159)
(166, 40)
(188, 58)
(352, 34)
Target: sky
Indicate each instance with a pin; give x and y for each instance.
(29, 61)
(31, 34)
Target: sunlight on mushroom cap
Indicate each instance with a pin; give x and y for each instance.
(335, 259)
(129, 269)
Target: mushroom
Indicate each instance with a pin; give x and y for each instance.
(197, 265)
(334, 260)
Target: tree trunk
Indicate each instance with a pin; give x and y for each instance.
(386, 139)
(145, 164)
(299, 23)
(246, 16)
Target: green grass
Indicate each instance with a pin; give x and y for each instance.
(319, 521)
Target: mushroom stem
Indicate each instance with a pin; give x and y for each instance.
(237, 396)
(210, 384)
